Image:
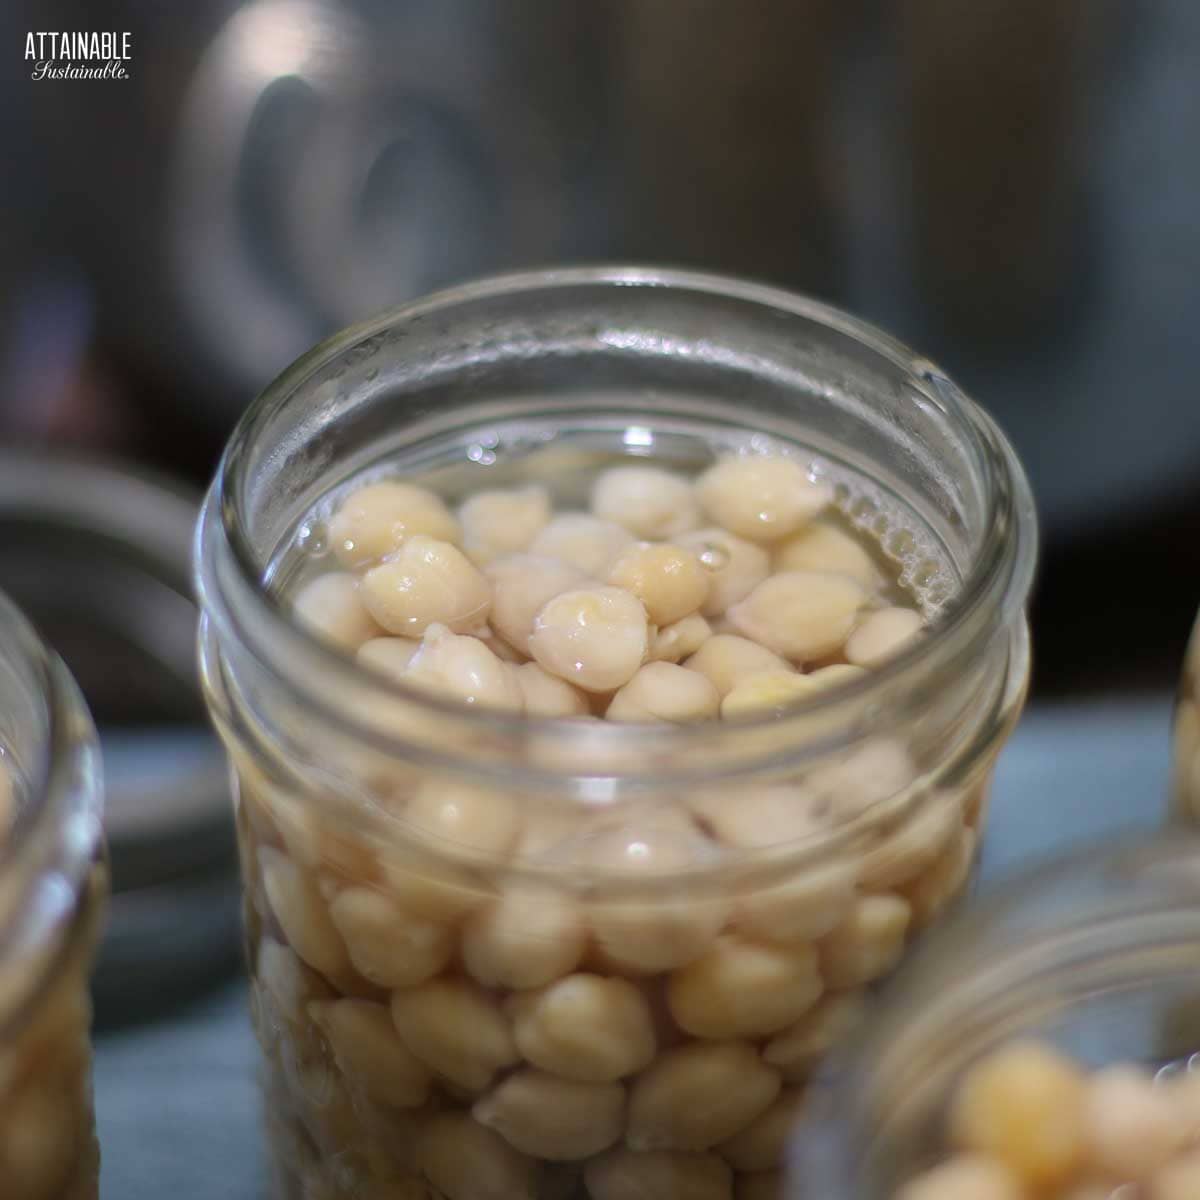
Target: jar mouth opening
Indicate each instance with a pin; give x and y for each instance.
(991, 593)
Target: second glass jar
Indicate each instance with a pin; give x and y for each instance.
(501, 1014)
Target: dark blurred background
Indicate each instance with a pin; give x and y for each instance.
(1009, 185)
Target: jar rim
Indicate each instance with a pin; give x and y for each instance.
(990, 597)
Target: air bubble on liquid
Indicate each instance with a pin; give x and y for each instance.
(899, 543)
(312, 539)
(714, 557)
(485, 456)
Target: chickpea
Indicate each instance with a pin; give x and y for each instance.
(726, 659)
(481, 820)
(1025, 1106)
(300, 910)
(464, 668)
(648, 501)
(427, 582)
(743, 989)
(1131, 1127)
(496, 523)
(810, 904)
(560, 1120)
(672, 643)
(388, 655)
(665, 692)
(868, 943)
(967, 1177)
(836, 675)
(467, 1161)
(332, 606)
(765, 691)
(622, 1174)
(585, 1027)
(429, 888)
(289, 984)
(366, 1047)
(546, 695)
(759, 497)
(765, 816)
(456, 1030)
(656, 932)
(698, 1095)
(670, 581)
(376, 520)
(875, 770)
(930, 892)
(905, 853)
(881, 634)
(800, 615)
(524, 939)
(1179, 1180)
(388, 946)
(595, 637)
(762, 1144)
(585, 542)
(824, 547)
(797, 1050)
(521, 587)
(735, 567)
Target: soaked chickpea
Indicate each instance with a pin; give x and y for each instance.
(464, 668)
(1026, 1120)
(498, 523)
(376, 520)
(425, 583)
(725, 659)
(648, 501)
(670, 581)
(625, 1175)
(332, 605)
(766, 690)
(664, 692)
(595, 638)
(801, 615)
(673, 643)
(388, 655)
(824, 547)
(759, 497)
(582, 541)
(735, 567)
(546, 695)
(521, 586)
(456, 1030)
(559, 1120)
(882, 634)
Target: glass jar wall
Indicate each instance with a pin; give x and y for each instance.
(1074, 988)
(53, 885)
(569, 981)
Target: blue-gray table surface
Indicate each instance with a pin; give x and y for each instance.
(176, 1101)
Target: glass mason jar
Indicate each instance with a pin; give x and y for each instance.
(482, 1024)
(1094, 952)
(1185, 783)
(53, 884)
